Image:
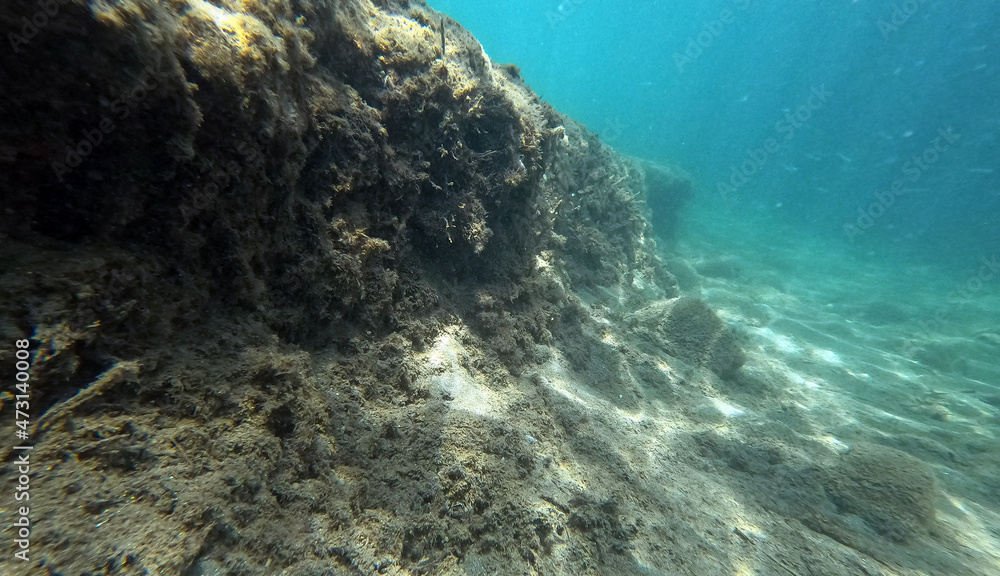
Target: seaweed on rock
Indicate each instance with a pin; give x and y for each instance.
(243, 227)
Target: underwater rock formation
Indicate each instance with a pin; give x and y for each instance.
(892, 491)
(236, 235)
(687, 329)
(315, 287)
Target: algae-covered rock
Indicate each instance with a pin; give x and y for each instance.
(230, 232)
(687, 329)
(892, 491)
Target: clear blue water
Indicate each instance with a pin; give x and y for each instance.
(710, 85)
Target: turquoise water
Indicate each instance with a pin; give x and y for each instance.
(847, 148)
(709, 86)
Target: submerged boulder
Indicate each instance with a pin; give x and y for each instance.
(668, 189)
(687, 329)
(892, 491)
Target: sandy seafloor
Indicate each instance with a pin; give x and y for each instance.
(856, 350)
(722, 477)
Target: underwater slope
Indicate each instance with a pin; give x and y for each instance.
(234, 233)
(318, 288)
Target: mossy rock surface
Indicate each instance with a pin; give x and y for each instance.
(688, 329)
(892, 491)
(237, 234)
